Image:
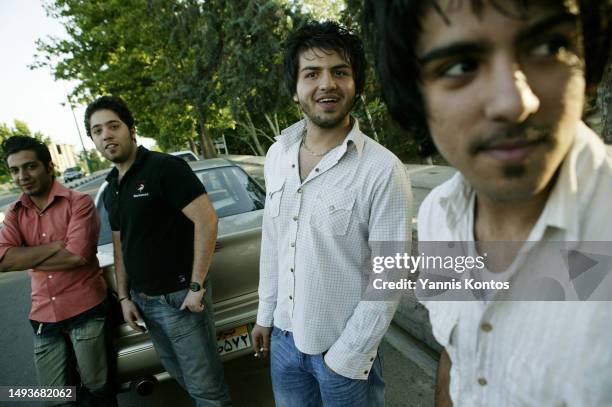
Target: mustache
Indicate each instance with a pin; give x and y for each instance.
(528, 134)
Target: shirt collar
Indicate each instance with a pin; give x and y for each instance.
(293, 134)
(57, 190)
(562, 207)
(141, 155)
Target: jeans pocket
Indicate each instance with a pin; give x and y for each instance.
(175, 299)
(91, 329)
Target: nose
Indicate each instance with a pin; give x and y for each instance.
(21, 175)
(106, 134)
(327, 81)
(510, 97)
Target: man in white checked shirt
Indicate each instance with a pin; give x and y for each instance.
(332, 194)
(500, 88)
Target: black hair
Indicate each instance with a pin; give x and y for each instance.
(393, 28)
(16, 144)
(326, 35)
(113, 103)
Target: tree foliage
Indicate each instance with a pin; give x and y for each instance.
(188, 69)
(91, 159)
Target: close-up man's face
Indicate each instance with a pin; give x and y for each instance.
(504, 92)
(325, 87)
(111, 136)
(29, 173)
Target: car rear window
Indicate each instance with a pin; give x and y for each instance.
(230, 190)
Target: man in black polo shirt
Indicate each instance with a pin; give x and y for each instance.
(164, 232)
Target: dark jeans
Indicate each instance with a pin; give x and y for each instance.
(187, 344)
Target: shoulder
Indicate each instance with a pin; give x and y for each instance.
(274, 151)
(432, 216)
(381, 159)
(167, 162)
(274, 159)
(80, 199)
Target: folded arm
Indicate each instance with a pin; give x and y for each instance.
(22, 258)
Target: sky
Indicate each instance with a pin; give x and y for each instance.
(34, 96)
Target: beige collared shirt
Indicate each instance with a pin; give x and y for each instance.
(531, 353)
(316, 241)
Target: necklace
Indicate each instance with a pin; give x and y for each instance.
(312, 152)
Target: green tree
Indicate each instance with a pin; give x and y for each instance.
(181, 66)
(96, 163)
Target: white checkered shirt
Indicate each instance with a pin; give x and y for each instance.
(316, 244)
(531, 353)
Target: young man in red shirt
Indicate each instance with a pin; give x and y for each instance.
(53, 231)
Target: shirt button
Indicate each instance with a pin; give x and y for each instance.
(366, 372)
(44, 234)
(299, 191)
(316, 170)
(371, 359)
(482, 381)
(290, 297)
(50, 276)
(52, 298)
(292, 165)
(331, 208)
(486, 327)
(292, 244)
(291, 270)
(295, 218)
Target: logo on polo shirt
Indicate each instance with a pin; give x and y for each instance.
(139, 189)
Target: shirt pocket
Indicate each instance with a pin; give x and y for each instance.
(332, 212)
(274, 193)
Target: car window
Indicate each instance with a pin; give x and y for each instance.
(230, 190)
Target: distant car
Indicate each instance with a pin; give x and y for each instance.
(238, 201)
(72, 173)
(186, 155)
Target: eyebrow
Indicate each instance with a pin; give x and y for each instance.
(544, 25)
(481, 47)
(23, 165)
(108, 122)
(318, 68)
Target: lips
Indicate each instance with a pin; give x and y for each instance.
(328, 101)
(110, 146)
(510, 150)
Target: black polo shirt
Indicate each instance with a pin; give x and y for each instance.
(146, 206)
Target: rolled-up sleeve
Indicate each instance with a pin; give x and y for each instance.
(83, 228)
(10, 236)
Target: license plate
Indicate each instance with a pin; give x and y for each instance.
(233, 340)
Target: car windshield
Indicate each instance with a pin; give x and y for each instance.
(229, 189)
(73, 169)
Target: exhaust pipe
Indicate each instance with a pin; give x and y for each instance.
(143, 386)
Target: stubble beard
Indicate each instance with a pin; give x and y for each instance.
(322, 122)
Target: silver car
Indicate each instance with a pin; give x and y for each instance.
(238, 201)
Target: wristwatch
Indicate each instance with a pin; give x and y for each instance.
(195, 287)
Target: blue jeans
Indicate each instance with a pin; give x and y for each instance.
(187, 344)
(301, 380)
(86, 334)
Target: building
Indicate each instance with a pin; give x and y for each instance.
(63, 156)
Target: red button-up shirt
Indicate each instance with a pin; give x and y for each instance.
(69, 216)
